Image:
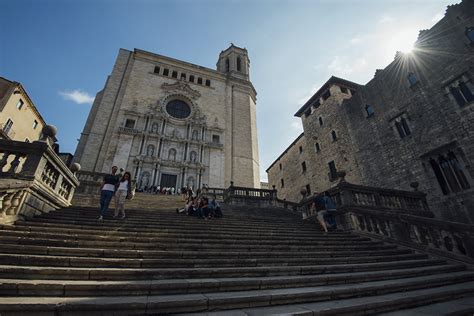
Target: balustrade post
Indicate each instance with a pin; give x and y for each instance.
(4, 160)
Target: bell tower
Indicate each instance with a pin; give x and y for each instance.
(234, 61)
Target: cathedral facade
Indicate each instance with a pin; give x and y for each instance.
(172, 123)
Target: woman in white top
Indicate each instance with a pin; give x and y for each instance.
(123, 189)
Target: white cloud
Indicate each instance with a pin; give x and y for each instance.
(386, 19)
(343, 65)
(77, 96)
(438, 16)
(355, 40)
(296, 125)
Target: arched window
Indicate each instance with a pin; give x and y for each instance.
(333, 136)
(193, 156)
(172, 154)
(227, 65)
(320, 121)
(239, 64)
(195, 135)
(150, 150)
(178, 109)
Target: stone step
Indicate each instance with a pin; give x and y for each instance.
(184, 234)
(204, 240)
(435, 288)
(462, 306)
(448, 295)
(116, 274)
(178, 230)
(151, 254)
(219, 245)
(71, 261)
(46, 288)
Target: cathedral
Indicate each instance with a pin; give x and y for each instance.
(172, 123)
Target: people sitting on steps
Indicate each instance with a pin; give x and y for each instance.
(201, 207)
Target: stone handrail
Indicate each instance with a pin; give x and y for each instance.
(33, 180)
(218, 192)
(250, 196)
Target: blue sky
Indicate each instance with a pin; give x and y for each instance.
(62, 51)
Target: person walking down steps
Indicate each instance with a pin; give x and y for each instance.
(107, 191)
(124, 191)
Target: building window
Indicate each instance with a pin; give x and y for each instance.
(462, 94)
(344, 90)
(35, 124)
(166, 72)
(208, 82)
(320, 121)
(19, 104)
(129, 123)
(8, 126)
(303, 166)
(27, 140)
(308, 189)
(282, 183)
(412, 79)
(326, 95)
(191, 78)
(280, 166)
(449, 173)
(333, 136)
(216, 139)
(470, 33)
(332, 170)
(174, 74)
(402, 127)
(199, 80)
(318, 148)
(157, 70)
(178, 109)
(183, 76)
(239, 64)
(301, 149)
(227, 65)
(369, 110)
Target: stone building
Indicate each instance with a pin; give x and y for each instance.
(412, 124)
(173, 123)
(290, 172)
(19, 118)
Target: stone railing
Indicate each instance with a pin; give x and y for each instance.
(250, 196)
(90, 182)
(33, 180)
(129, 130)
(218, 192)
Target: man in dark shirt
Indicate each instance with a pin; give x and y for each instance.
(107, 191)
(319, 206)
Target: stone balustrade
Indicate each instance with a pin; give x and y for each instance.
(218, 192)
(250, 196)
(33, 180)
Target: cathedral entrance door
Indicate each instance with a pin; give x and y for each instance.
(168, 180)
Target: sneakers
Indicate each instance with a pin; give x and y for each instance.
(101, 218)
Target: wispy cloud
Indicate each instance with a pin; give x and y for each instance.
(297, 125)
(355, 40)
(77, 96)
(345, 65)
(386, 19)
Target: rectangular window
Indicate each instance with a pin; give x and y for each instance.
(308, 189)
(19, 104)
(174, 74)
(199, 80)
(157, 70)
(461, 93)
(282, 183)
(35, 124)
(27, 140)
(301, 149)
(369, 110)
(402, 127)
(216, 139)
(191, 78)
(470, 34)
(303, 166)
(450, 173)
(7, 128)
(318, 148)
(166, 72)
(332, 170)
(208, 82)
(280, 166)
(129, 123)
(183, 76)
(344, 90)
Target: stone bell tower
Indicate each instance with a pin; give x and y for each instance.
(234, 61)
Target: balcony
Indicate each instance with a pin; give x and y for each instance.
(129, 130)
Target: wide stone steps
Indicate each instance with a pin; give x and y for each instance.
(438, 288)
(160, 262)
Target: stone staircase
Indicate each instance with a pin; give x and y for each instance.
(251, 262)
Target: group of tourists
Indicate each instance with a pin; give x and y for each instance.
(159, 190)
(200, 206)
(117, 186)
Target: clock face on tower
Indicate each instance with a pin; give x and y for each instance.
(178, 109)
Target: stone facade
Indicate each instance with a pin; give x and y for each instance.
(412, 124)
(172, 123)
(287, 173)
(19, 118)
